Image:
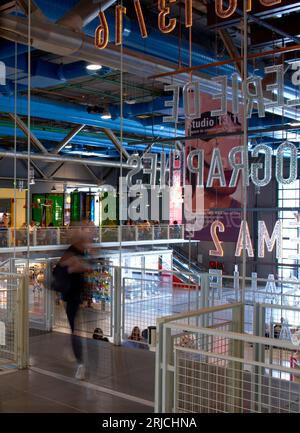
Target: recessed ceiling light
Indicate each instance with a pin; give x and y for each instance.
(130, 101)
(106, 116)
(93, 67)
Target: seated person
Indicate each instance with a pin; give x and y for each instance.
(98, 335)
(136, 340)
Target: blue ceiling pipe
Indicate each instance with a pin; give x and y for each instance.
(50, 110)
(78, 141)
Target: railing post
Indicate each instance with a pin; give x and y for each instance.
(236, 282)
(22, 334)
(58, 236)
(9, 237)
(119, 233)
(168, 231)
(153, 232)
(234, 378)
(259, 353)
(158, 367)
(182, 231)
(100, 234)
(117, 306)
(34, 236)
(167, 376)
(48, 299)
(254, 285)
(204, 298)
(136, 233)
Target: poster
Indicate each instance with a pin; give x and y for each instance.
(222, 203)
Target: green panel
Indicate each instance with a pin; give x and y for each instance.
(37, 201)
(75, 206)
(54, 214)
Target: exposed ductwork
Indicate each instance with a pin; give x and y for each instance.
(83, 13)
(65, 42)
(77, 114)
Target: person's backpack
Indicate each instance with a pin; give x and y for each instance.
(60, 279)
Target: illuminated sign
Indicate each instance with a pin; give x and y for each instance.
(224, 9)
(167, 22)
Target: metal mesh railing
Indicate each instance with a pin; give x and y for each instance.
(145, 299)
(13, 319)
(210, 380)
(211, 366)
(43, 236)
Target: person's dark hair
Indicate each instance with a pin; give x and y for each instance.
(145, 334)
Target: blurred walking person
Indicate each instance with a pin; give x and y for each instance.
(69, 280)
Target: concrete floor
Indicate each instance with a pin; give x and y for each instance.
(120, 380)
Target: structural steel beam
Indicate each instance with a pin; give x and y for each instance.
(53, 172)
(37, 168)
(35, 141)
(92, 173)
(109, 133)
(288, 24)
(68, 138)
(43, 176)
(231, 48)
(57, 158)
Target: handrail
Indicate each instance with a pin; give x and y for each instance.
(202, 311)
(284, 344)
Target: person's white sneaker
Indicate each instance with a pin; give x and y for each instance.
(80, 373)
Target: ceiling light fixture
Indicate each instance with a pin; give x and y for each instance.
(130, 101)
(93, 67)
(105, 115)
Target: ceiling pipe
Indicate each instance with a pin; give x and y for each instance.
(83, 13)
(76, 114)
(65, 42)
(161, 46)
(78, 142)
(59, 158)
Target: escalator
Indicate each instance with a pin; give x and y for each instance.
(182, 265)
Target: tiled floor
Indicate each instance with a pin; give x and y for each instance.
(122, 379)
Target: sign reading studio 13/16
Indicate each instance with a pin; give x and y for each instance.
(166, 20)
